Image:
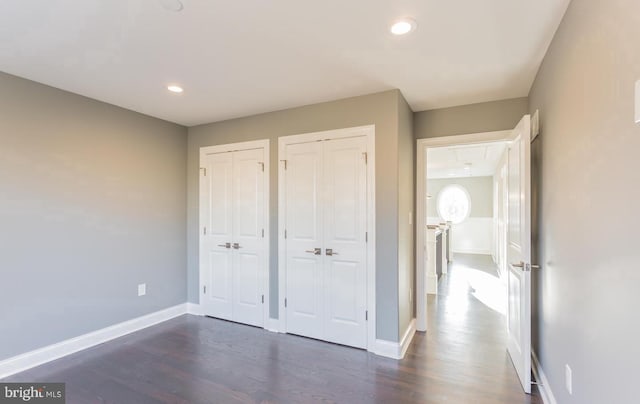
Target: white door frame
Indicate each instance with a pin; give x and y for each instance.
(369, 132)
(421, 217)
(231, 147)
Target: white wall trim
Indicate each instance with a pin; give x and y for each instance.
(194, 309)
(369, 132)
(396, 350)
(49, 353)
(421, 208)
(273, 325)
(545, 389)
(388, 349)
(407, 337)
(226, 148)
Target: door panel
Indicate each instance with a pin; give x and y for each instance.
(247, 289)
(248, 222)
(342, 281)
(303, 220)
(216, 258)
(232, 194)
(519, 252)
(325, 205)
(219, 277)
(345, 220)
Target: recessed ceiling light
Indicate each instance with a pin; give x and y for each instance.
(172, 5)
(403, 26)
(175, 89)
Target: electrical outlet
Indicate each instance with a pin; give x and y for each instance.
(142, 289)
(568, 379)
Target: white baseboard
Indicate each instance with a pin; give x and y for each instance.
(545, 389)
(273, 325)
(407, 337)
(396, 350)
(194, 309)
(49, 353)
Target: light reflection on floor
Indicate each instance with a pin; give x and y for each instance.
(482, 283)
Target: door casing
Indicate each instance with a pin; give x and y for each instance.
(369, 132)
(257, 144)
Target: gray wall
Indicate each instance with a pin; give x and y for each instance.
(466, 119)
(92, 202)
(406, 207)
(480, 191)
(380, 109)
(588, 221)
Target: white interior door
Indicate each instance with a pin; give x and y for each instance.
(345, 227)
(326, 219)
(304, 244)
(232, 246)
(248, 271)
(519, 252)
(216, 209)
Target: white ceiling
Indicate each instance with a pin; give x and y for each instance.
(464, 161)
(241, 57)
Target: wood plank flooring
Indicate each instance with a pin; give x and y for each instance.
(461, 359)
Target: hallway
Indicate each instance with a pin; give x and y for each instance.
(464, 352)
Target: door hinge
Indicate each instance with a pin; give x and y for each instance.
(366, 236)
(204, 230)
(262, 233)
(261, 166)
(364, 154)
(204, 289)
(262, 299)
(204, 169)
(285, 302)
(285, 163)
(366, 315)
(285, 233)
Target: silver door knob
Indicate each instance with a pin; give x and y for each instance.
(524, 267)
(330, 252)
(225, 245)
(236, 246)
(315, 251)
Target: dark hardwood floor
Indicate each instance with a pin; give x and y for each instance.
(461, 359)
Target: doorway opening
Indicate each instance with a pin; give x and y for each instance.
(474, 240)
(465, 215)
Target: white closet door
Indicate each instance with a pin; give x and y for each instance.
(247, 242)
(215, 253)
(304, 287)
(345, 221)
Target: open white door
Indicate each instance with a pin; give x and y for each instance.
(519, 252)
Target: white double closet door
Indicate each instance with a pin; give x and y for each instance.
(232, 247)
(326, 235)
